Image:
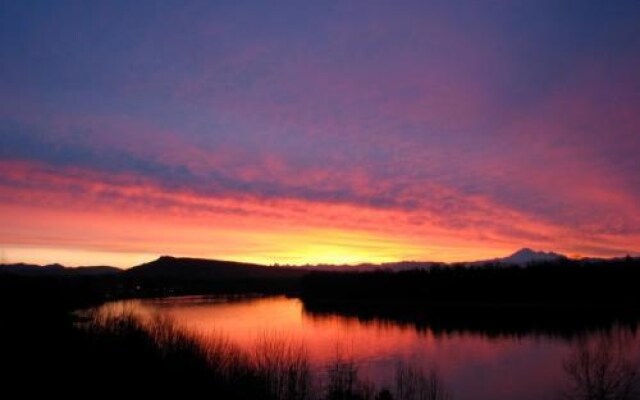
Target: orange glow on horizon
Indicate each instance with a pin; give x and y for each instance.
(121, 221)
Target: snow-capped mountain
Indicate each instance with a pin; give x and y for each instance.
(527, 256)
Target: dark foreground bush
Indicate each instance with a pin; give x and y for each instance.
(278, 368)
(125, 355)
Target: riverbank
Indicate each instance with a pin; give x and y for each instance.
(49, 350)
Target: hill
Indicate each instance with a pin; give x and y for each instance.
(175, 268)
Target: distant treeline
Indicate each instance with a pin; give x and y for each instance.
(562, 299)
(20, 292)
(77, 287)
(566, 282)
(495, 320)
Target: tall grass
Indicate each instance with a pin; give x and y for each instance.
(343, 382)
(155, 355)
(165, 358)
(413, 383)
(283, 366)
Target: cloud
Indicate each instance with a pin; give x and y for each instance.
(484, 127)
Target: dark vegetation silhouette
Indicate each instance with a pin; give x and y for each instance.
(166, 276)
(124, 354)
(602, 368)
(414, 383)
(564, 298)
(567, 283)
(563, 282)
(343, 381)
(491, 321)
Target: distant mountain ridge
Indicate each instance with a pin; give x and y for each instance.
(522, 257)
(57, 270)
(369, 267)
(167, 267)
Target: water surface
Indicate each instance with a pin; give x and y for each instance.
(473, 364)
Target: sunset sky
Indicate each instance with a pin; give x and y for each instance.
(318, 132)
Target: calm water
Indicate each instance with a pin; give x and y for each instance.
(473, 365)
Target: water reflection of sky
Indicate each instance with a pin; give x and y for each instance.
(475, 366)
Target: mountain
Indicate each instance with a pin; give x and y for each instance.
(167, 267)
(56, 270)
(526, 256)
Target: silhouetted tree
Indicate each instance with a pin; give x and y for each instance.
(601, 370)
(413, 383)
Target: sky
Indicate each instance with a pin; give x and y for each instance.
(318, 132)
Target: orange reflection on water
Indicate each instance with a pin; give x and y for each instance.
(474, 365)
